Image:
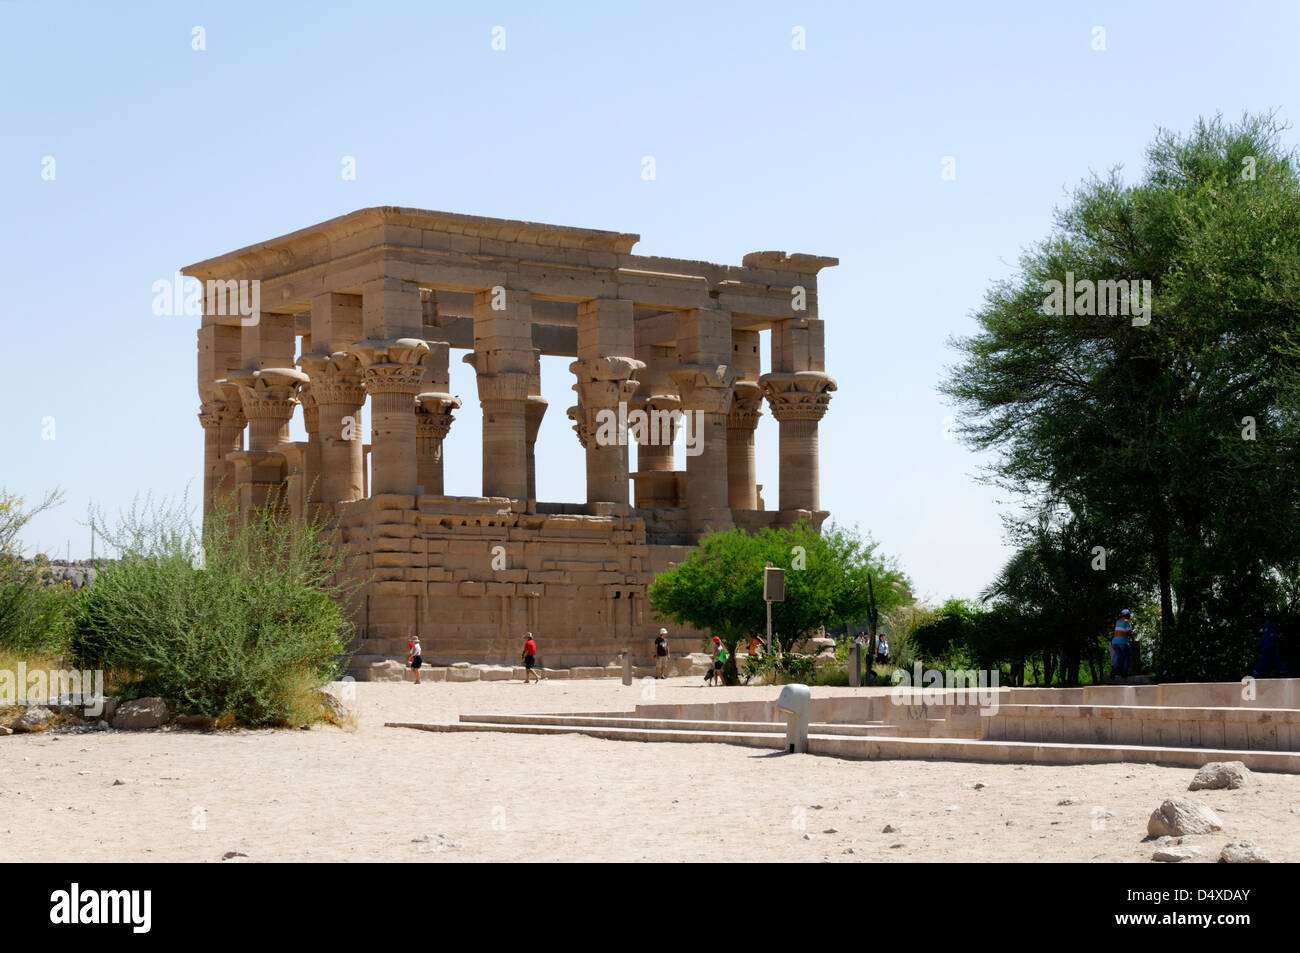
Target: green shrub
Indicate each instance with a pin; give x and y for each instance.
(33, 615)
(243, 627)
(779, 669)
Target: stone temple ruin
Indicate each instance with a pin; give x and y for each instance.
(371, 305)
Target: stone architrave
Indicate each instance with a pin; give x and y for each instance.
(603, 384)
(742, 421)
(798, 402)
(433, 417)
(392, 374)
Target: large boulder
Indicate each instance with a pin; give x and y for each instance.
(1179, 816)
(140, 714)
(333, 710)
(1221, 774)
(462, 672)
(33, 719)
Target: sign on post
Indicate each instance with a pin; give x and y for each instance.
(774, 584)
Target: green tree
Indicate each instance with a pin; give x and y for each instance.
(719, 587)
(1176, 437)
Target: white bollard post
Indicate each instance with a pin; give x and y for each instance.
(796, 702)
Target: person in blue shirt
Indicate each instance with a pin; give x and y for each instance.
(1120, 645)
(1270, 652)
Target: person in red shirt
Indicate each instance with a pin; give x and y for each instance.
(530, 657)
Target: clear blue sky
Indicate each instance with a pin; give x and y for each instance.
(164, 155)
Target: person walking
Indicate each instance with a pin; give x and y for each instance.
(661, 654)
(416, 658)
(1269, 649)
(719, 657)
(1119, 645)
(530, 657)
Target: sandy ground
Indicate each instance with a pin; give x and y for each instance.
(392, 794)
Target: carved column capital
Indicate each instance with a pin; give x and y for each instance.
(746, 406)
(335, 378)
(584, 425)
(392, 367)
(803, 395)
(222, 413)
(706, 388)
(433, 414)
(269, 393)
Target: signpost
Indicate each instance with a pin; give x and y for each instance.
(773, 591)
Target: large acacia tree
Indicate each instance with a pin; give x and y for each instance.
(1176, 437)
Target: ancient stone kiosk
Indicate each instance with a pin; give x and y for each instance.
(371, 306)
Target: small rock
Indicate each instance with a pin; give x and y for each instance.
(232, 854)
(1221, 774)
(1067, 801)
(847, 850)
(434, 843)
(830, 830)
(1180, 815)
(807, 837)
(118, 782)
(34, 719)
(1011, 823)
(1243, 852)
(892, 846)
(1172, 855)
(5, 731)
(979, 785)
(889, 829)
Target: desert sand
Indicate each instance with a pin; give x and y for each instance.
(394, 794)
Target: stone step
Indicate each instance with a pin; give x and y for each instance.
(901, 748)
(601, 720)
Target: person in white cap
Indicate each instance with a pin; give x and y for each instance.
(661, 654)
(529, 656)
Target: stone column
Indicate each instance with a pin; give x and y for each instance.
(655, 479)
(798, 401)
(268, 396)
(311, 461)
(392, 374)
(223, 423)
(605, 385)
(706, 395)
(432, 422)
(747, 401)
(339, 397)
(503, 360)
(534, 411)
